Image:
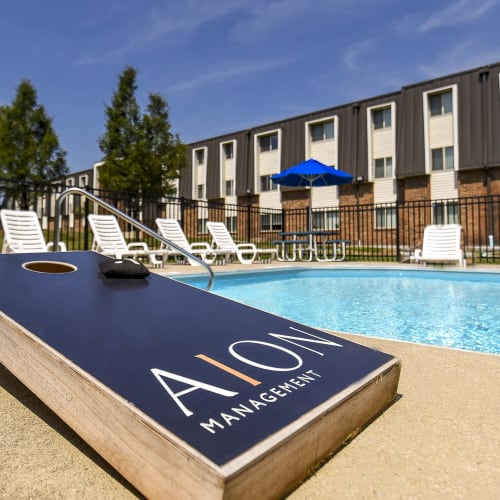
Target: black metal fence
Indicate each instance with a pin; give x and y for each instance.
(374, 232)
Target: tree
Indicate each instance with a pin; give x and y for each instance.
(141, 155)
(29, 147)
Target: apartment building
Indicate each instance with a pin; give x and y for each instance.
(434, 140)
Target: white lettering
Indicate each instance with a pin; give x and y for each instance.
(260, 365)
(227, 418)
(210, 425)
(193, 384)
(319, 340)
(256, 404)
(277, 392)
(242, 410)
(288, 387)
(268, 399)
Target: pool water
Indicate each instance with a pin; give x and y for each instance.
(446, 308)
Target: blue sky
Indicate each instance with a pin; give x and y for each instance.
(228, 65)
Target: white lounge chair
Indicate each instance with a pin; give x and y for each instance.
(23, 233)
(109, 240)
(172, 231)
(224, 244)
(441, 243)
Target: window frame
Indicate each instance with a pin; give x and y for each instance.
(326, 134)
(385, 110)
(385, 167)
(266, 185)
(225, 147)
(444, 158)
(446, 212)
(271, 221)
(199, 156)
(326, 220)
(387, 216)
(273, 142)
(444, 106)
(229, 183)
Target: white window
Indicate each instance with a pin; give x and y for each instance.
(232, 223)
(441, 103)
(199, 155)
(385, 217)
(327, 220)
(202, 225)
(200, 191)
(382, 118)
(383, 167)
(228, 150)
(268, 142)
(271, 222)
(445, 212)
(230, 187)
(443, 158)
(266, 184)
(321, 131)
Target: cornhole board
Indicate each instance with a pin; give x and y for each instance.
(186, 394)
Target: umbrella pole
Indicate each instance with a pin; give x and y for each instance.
(310, 228)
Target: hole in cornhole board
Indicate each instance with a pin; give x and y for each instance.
(51, 267)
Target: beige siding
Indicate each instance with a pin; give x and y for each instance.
(441, 131)
(200, 174)
(384, 191)
(270, 199)
(203, 212)
(382, 143)
(229, 169)
(327, 196)
(444, 185)
(268, 162)
(325, 152)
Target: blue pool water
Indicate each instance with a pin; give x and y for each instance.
(446, 308)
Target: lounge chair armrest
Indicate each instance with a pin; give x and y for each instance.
(14, 247)
(61, 245)
(246, 246)
(200, 245)
(138, 245)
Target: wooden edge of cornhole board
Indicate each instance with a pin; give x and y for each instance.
(161, 464)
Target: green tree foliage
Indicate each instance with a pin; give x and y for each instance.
(141, 155)
(29, 147)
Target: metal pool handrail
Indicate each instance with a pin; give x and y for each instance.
(137, 224)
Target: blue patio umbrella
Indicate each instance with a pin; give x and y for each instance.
(312, 173)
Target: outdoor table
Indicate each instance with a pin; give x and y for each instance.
(304, 246)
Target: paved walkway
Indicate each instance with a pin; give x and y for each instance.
(440, 439)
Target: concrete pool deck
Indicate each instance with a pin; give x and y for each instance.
(440, 438)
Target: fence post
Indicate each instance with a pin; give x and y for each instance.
(398, 238)
(182, 205)
(249, 222)
(85, 225)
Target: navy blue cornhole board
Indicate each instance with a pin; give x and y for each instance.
(118, 330)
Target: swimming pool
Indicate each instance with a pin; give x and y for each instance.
(448, 308)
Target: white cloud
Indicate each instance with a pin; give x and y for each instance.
(230, 69)
(168, 23)
(462, 56)
(354, 54)
(457, 12)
